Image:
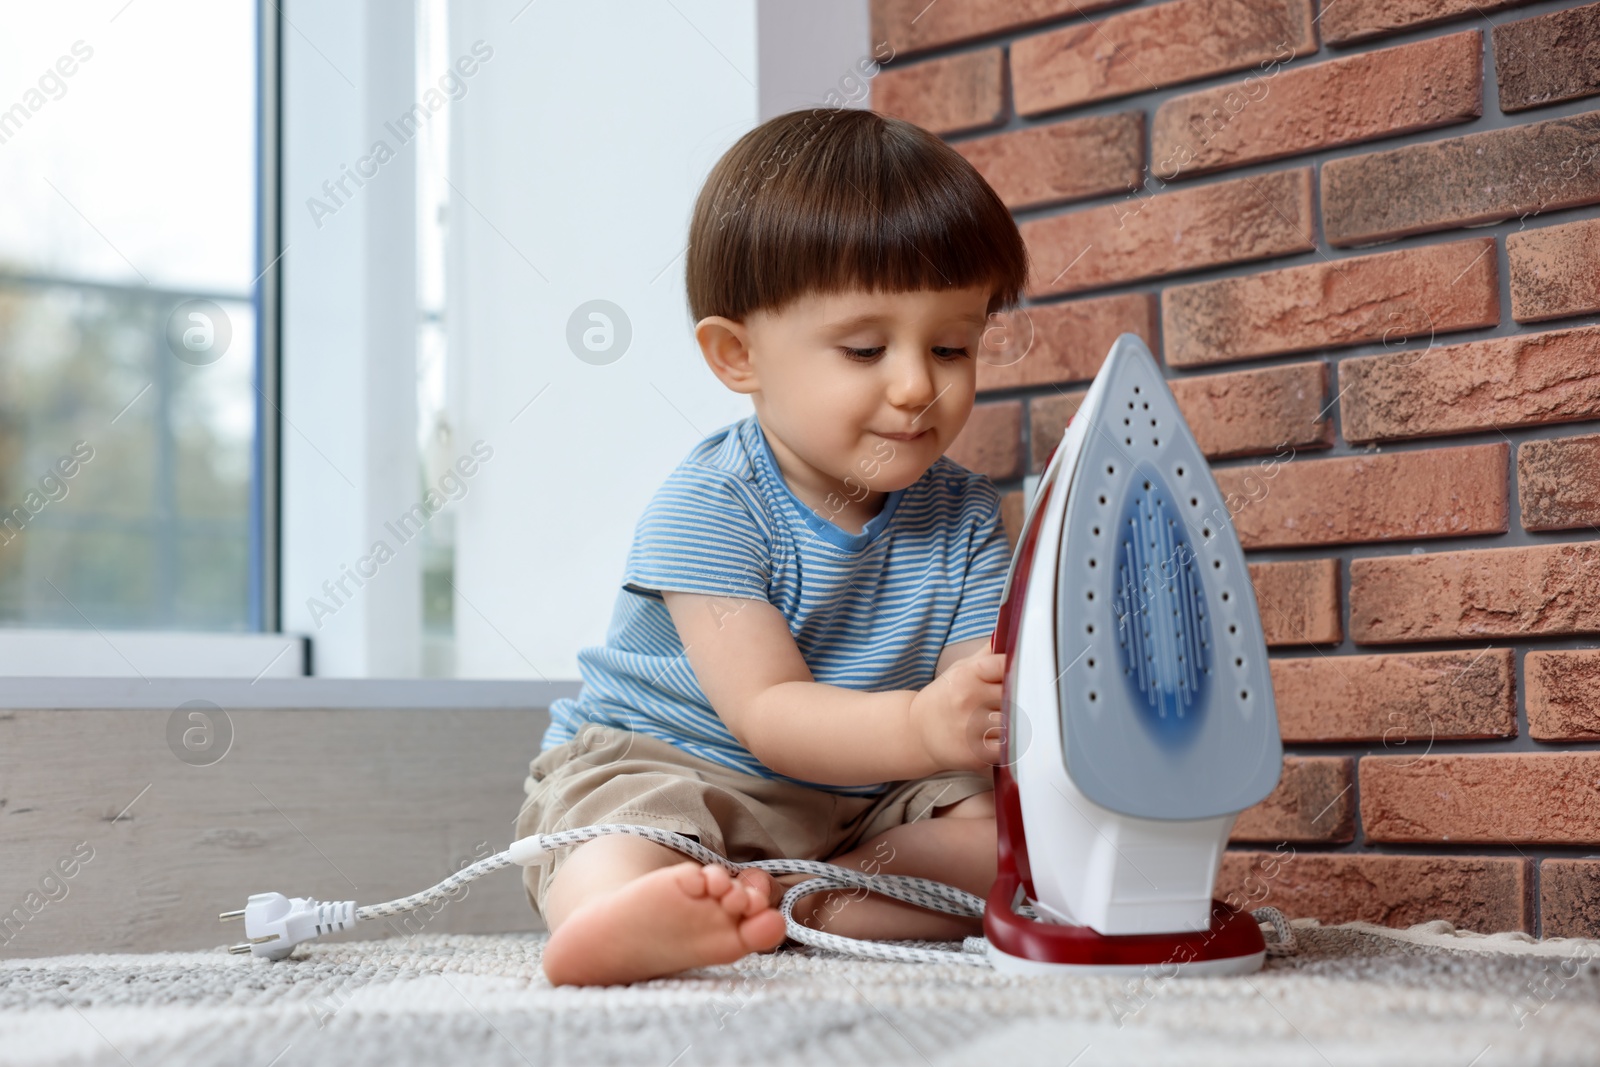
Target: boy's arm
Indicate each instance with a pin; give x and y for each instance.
(760, 686)
(960, 650)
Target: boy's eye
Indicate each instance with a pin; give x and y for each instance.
(865, 354)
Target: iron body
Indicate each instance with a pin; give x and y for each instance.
(1138, 703)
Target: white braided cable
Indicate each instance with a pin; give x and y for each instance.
(875, 950)
(923, 892)
(935, 896)
(438, 892)
(1284, 945)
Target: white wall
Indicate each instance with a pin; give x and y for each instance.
(578, 162)
(576, 159)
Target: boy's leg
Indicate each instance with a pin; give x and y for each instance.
(624, 909)
(955, 845)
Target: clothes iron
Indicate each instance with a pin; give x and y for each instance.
(1138, 707)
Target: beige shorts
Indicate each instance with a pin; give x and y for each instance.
(607, 774)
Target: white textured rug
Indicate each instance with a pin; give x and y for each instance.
(1353, 994)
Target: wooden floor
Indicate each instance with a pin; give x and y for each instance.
(112, 841)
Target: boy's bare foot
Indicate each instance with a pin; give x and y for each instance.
(664, 922)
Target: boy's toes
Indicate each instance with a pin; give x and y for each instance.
(743, 900)
(691, 878)
(762, 931)
(770, 889)
(717, 879)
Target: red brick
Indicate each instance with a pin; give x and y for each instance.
(1440, 492)
(1480, 893)
(915, 25)
(1478, 593)
(989, 442)
(1063, 161)
(1151, 47)
(1247, 413)
(1346, 21)
(1255, 412)
(1548, 58)
(1569, 898)
(1298, 601)
(1047, 421)
(1067, 342)
(1563, 694)
(1522, 380)
(1406, 701)
(961, 92)
(1145, 236)
(1312, 803)
(1535, 798)
(1558, 483)
(1555, 271)
(1462, 181)
(1344, 101)
(1387, 296)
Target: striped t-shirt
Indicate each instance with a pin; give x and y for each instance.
(868, 611)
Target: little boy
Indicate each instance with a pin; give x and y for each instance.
(797, 664)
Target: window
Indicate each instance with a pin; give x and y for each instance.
(135, 481)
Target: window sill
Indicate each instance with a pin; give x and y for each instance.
(322, 693)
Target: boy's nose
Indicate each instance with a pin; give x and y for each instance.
(910, 382)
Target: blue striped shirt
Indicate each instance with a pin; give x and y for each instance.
(869, 611)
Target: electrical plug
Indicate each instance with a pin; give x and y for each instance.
(274, 924)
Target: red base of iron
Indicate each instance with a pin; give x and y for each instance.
(1232, 933)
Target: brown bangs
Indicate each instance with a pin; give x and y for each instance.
(834, 199)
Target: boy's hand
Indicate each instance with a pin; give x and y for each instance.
(957, 715)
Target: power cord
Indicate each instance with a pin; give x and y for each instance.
(275, 924)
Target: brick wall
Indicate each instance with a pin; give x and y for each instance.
(1365, 240)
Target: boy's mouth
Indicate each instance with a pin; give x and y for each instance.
(904, 436)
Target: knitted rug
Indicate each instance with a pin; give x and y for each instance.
(1351, 994)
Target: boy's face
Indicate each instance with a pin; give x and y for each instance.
(836, 377)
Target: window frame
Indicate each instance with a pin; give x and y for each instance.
(265, 500)
(264, 649)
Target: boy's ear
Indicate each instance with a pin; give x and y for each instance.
(725, 344)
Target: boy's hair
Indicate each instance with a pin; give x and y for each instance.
(834, 199)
